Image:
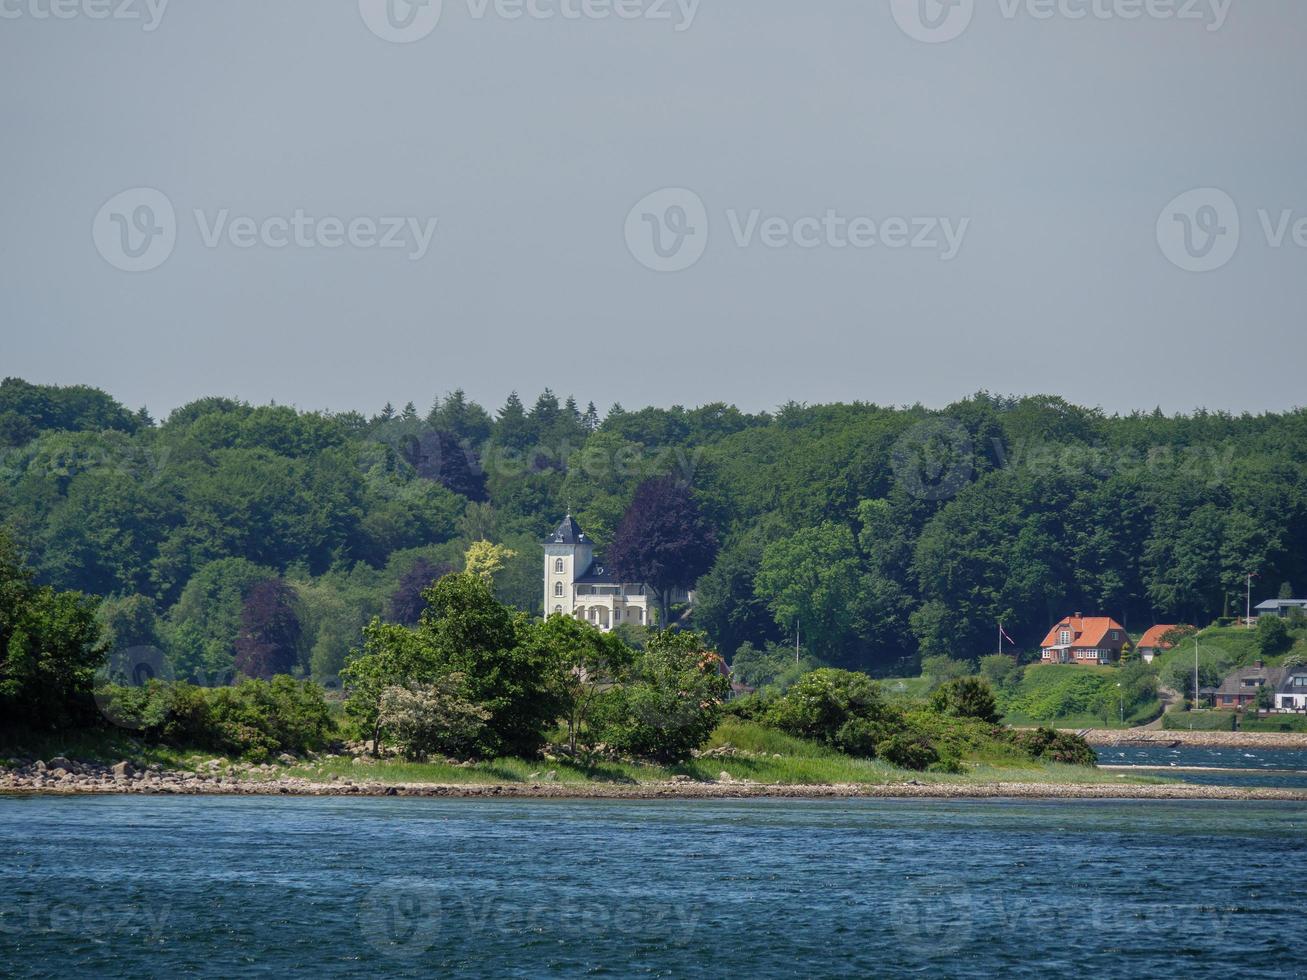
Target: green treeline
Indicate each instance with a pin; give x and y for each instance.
(263, 540)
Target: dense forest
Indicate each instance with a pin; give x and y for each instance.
(883, 535)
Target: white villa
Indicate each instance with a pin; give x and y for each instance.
(577, 584)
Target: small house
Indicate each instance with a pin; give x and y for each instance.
(1291, 695)
(1280, 607)
(1154, 642)
(1081, 639)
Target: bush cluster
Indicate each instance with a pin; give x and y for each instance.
(1054, 746)
(255, 719)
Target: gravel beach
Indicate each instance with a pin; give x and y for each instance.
(74, 778)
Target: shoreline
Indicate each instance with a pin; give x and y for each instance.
(650, 791)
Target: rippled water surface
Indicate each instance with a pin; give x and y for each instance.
(1276, 768)
(136, 886)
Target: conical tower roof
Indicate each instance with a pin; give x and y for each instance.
(568, 532)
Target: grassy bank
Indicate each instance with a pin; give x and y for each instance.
(744, 751)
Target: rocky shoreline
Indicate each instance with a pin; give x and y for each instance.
(1221, 740)
(64, 777)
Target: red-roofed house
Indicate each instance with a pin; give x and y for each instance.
(1154, 642)
(1081, 639)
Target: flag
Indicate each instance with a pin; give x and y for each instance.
(1003, 633)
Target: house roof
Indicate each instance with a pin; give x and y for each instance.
(1234, 683)
(1281, 603)
(597, 574)
(1286, 681)
(1089, 631)
(1153, 638)
(568, 532)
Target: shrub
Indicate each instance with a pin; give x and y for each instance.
(1054, 746)
(859, 737)
(822, 703)
(908, 750)
(965, 697)
(256, 719)
(426, 719)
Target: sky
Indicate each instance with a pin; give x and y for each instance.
(339, 203)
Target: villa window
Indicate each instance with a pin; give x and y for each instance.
(1064, 637)
(558, 610)
(558, 589)
(558, 566)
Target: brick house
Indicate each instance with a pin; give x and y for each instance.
(1239, 689)
(1081, 639)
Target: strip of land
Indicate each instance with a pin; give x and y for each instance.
(192, 784)
(1228, 740)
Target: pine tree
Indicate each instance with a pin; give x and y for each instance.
(512, 430)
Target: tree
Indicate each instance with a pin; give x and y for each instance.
(486, 560)
(1265, 697)
(1001, 671)
(1273, 637)
(727, 606)
(588, 662)
(407, 602)
(965, 697)
(392, 656)
(268, 642)
(130, 621)
(664, 541)
(50, 648)
(673, 702)
(810, 581)
(774, 665)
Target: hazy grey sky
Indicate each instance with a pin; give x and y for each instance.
(1033, 157)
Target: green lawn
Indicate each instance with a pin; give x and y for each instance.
(1199, 721)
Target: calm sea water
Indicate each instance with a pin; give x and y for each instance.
(139, 886)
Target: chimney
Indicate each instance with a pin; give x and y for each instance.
(1259, 664)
